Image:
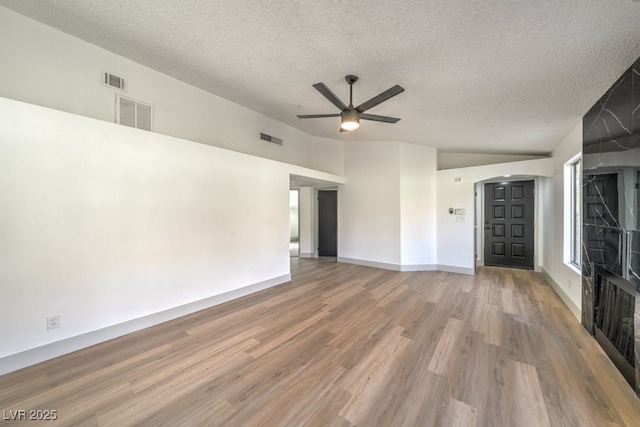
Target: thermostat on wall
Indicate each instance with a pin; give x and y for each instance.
(460, 211)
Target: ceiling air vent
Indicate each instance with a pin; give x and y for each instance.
(112, 80)
(271, 139)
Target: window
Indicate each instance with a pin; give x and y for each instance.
(573, 205)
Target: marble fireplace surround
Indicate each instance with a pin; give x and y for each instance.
(611, 201)
(618, 316)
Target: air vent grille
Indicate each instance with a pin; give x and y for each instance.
(133, 113)
(271, 139)
(113, 81)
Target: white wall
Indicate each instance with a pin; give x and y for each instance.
(456, 189)
(104, 224)
(43, 66)
(418, 230)
(369, 205)
(464, 160)
(387, 214)
(567, 281)
(327, 155)
(117, 229)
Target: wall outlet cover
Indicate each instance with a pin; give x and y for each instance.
(53, 322)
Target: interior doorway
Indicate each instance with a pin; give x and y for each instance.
(509, 224)
(327, 223)
(294, 223)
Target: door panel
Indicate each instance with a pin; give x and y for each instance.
(509, 213)
(327, 223)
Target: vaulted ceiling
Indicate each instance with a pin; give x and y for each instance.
(489, 77)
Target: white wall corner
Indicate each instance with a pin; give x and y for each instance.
(571, 305)
(367, 263)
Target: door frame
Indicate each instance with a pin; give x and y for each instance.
(479, 217)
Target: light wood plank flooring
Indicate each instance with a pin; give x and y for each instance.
(345, 345)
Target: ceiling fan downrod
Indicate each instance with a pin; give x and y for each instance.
(351, 79)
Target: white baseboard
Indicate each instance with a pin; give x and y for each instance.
(306, 255)
(469, 271)
(418, 267)
(32, 356)
(387, 266)
(366, 263)
(573, 307)
(408, 267)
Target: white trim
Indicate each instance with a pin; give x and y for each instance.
(478, 226)
(418, 267)
(30, 357)
(567, 211)
(571, 305)
(307, 255)
(574, 267)
(366, 263)
(408, 267)
(455, 269)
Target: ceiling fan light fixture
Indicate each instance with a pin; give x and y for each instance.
(350, 120)
(349, 115)
(350, 125)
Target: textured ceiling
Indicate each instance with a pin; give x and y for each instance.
(493, 76)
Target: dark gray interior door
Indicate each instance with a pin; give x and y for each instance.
(328, 223)
(508, 231)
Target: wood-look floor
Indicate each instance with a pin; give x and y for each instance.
(346, 345)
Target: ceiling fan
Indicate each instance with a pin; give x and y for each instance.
(351, 116)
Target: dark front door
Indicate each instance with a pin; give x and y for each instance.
(327, 223)
(508, 231)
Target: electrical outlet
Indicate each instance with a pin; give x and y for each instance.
(53, 322)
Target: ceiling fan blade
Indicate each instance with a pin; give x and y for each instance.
(389, 93)
(323, 89)
(375, 118)
(317, 116)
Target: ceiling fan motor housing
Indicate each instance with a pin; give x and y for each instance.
(350, 115)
